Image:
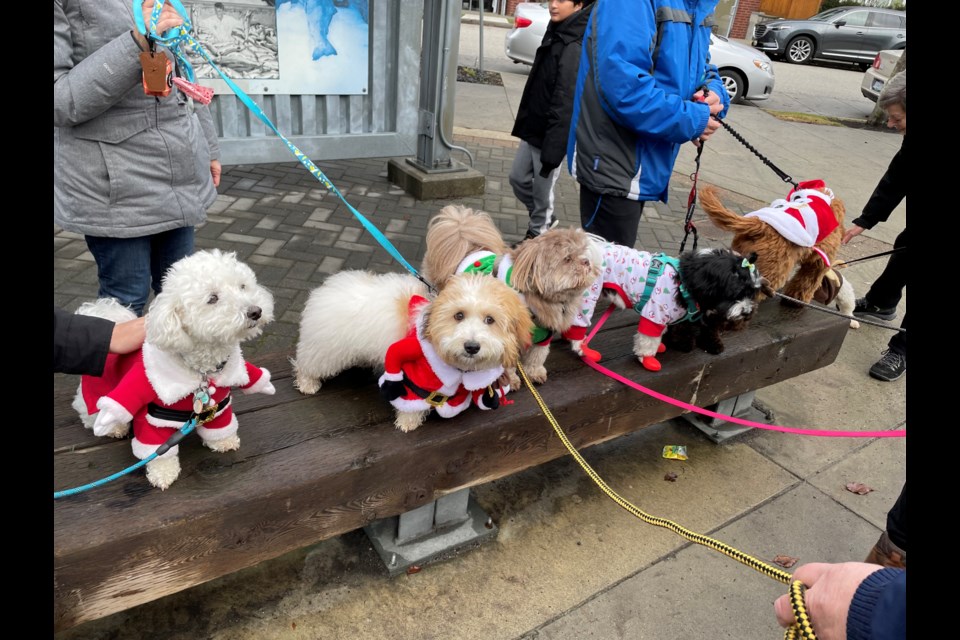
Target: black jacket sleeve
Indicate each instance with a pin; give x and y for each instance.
(80, 343)
(891, 190)
(561, 107)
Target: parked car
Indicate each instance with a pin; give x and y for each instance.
(847, 34)
(747, 73)
(877, 75)
(530, 20)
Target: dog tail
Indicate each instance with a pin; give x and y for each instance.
(452, 235)
(725, 218)
(107, 308)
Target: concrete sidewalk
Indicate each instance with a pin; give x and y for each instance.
(568, 563)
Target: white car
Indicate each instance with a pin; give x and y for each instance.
(747, 73)
(877, 75)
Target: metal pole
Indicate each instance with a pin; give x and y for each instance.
(432, 154)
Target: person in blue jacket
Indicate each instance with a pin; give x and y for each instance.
(850, 601)
(644, 87)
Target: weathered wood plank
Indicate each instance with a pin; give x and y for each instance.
(310, 468)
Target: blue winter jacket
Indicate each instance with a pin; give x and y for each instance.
(879, 607)
(642, 61)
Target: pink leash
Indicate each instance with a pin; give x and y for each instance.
(689, 407)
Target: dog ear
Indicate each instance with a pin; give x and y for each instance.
(164, 325)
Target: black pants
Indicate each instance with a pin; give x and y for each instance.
(610, 217)
(897, 520)
(887, 290)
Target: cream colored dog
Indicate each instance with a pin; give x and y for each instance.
(550, 272)
(442, 353)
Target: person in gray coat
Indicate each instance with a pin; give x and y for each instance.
(134, 173)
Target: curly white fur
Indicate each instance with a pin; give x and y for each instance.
(210, 304)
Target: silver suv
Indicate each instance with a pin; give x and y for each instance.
(847, 34)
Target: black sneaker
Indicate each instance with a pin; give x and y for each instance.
(890, 367)
(864, 308)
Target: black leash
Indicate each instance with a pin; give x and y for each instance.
(876, 255)
(837, 313)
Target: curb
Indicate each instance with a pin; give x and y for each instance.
(494, 20)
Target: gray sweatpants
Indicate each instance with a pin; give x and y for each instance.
(534, 192)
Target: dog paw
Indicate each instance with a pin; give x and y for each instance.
(408, 421)
(537, 374)
(117, 431)
(307, 386)
(511, 379)
(161, 472)
(230, 443)
(854, 324)
(650, 363)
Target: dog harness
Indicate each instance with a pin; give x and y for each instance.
(483, 262)
(656, 268)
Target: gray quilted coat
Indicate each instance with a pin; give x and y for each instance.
(125, 164)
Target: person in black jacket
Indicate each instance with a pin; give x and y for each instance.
(543, 117)
(885, 293)
(81, 343)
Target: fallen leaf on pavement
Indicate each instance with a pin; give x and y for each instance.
(786, 561)
(858, 488)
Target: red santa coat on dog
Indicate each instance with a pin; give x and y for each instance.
(152, 382)
(414, 360)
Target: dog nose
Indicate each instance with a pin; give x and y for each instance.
(473, 348)
(254, 313)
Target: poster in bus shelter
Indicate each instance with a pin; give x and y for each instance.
(300, 47)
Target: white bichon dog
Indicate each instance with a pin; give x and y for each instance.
(442, 354)
(209, 305)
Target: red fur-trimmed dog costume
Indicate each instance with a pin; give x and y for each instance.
(416, 379)
(155, 391)
(795, 239)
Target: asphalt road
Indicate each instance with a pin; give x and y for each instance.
(825, 89)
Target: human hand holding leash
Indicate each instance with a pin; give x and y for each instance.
(830, 589)
(712, 100)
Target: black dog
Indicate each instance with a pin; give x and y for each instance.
(699, 296)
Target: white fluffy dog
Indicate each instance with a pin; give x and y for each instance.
(441, 354)
(209, 305)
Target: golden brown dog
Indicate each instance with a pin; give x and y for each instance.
(793, 255)
(550, 271)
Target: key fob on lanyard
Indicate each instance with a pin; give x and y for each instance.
(157, 73)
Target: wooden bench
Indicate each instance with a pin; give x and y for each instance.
(310, 468)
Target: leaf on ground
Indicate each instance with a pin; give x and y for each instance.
(786, 561)
(859, 488)
(671, 477)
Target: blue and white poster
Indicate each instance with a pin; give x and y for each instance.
(312, 47)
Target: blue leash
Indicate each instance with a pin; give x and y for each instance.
(162, 449)
(174, 40)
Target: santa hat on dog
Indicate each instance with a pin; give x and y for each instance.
(805, 217)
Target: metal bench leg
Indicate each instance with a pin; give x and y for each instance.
(718, 430)
(424, 533)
